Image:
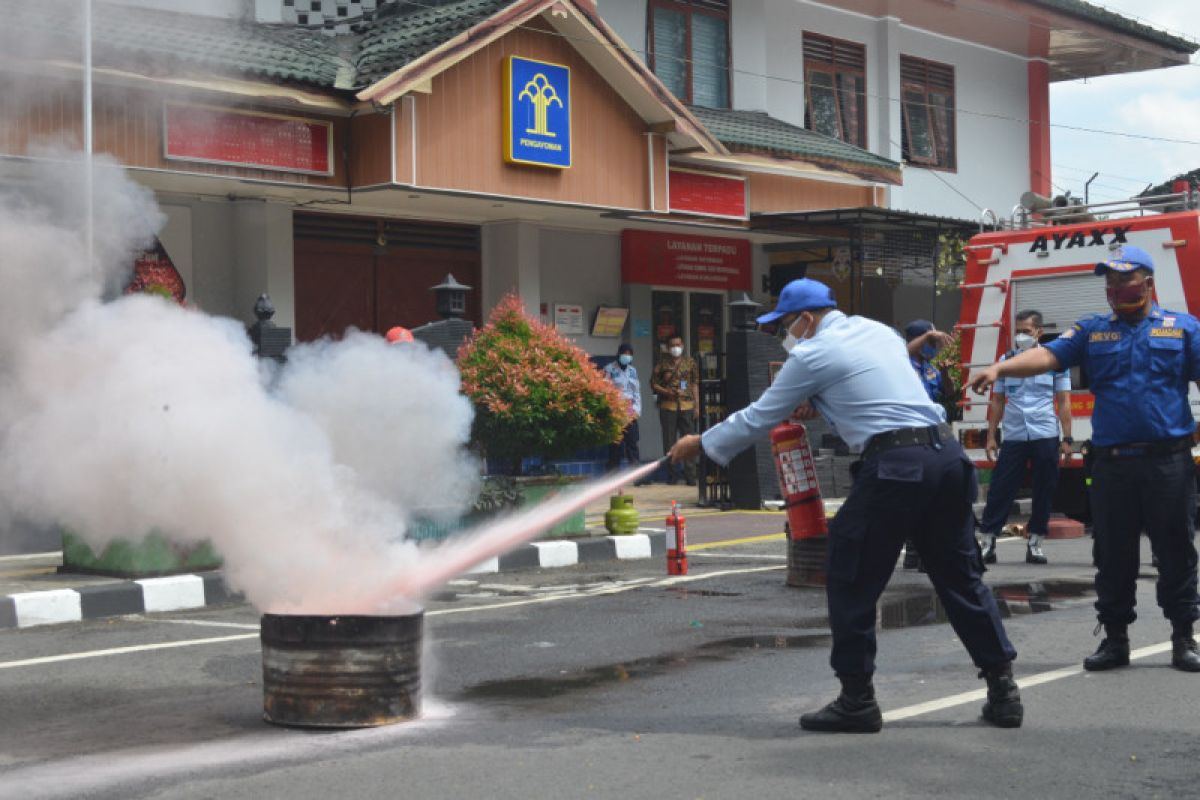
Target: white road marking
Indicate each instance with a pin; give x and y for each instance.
(31, 556)
(117, 651)
(1025, 683)
(204, 623)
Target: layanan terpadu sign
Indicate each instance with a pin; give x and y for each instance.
(698, 262)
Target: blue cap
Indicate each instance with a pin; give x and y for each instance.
(804, 294)
(1126, 258)
(916, 328)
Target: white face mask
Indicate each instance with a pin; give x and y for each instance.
(791, 340)
(1022, 342)
(676, 352)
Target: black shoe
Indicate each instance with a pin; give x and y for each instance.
(1113, 652)
(1034, 555)
(989, 550)
(854, 710)
(690, 481)
(845, 715)
(672, 480)
(1185, 655)
(1003, 707)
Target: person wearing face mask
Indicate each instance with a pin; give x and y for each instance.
(923, 343)
(1034, 411)
(1140, 360)
(625, 377)
(913, 479)
(676, 384)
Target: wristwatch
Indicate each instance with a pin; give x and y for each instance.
(1068, 440)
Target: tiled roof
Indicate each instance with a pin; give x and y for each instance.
(1119, 22)
(755, 131)
(156, 42)
(405, 31)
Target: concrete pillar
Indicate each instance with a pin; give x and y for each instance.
(511, 262)
(637, 298)
(263, 255)
(884, 84)
(747, 34)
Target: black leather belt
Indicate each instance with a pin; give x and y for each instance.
(908, 437)
(1139, 449)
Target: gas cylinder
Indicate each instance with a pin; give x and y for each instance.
(622, 518)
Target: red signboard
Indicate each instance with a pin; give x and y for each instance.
(707, 193)
(248, 139)
(670, 259)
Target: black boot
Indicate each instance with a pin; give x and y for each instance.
(1113, 650)
(1184, 653)
(1003, 707)
(854, 710)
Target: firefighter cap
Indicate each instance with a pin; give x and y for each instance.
(1126, 258)
(803, 294)
(917, 327)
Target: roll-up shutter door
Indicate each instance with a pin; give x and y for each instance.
(1061, 299)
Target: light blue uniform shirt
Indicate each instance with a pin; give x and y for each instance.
(626, 379)
(1029, 411)
(855, 371)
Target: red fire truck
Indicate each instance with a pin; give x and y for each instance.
(1043, 258)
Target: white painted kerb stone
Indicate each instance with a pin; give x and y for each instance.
(634, 546)
(557, 554)
(47, 608)
(173, 592)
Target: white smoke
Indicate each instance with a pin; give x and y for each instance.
(135, 415)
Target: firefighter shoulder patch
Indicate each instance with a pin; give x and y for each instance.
(1167, 333)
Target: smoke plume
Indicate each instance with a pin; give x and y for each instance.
(123, 416)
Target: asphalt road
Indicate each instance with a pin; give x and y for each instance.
(612, 682)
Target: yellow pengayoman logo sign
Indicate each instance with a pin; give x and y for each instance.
(537, 113)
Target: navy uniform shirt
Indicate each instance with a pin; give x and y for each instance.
(931, 377)
(1139, 373)
(856, 373)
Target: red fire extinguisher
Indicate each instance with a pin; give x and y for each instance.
(676, 542)
(798, 481)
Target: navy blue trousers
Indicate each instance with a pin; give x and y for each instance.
(925, 493)
(1042, 456)
(1155, 494)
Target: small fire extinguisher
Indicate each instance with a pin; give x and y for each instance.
(676, 542)
(798, 481)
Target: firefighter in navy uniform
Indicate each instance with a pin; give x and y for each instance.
(913, 480)
(1140, 360)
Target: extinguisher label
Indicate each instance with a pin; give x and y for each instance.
(796, 472)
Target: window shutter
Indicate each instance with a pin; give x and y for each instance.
(710, 61)
(670, 50)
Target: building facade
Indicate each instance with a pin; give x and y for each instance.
(604, 162)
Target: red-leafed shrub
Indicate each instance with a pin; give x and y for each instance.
(535, 392)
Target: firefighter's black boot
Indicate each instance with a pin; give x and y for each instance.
(1113, 650)
(1184, 653)
(854, 710)
(1003, 707)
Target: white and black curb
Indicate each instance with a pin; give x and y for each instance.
(175, 592)
(26, 609)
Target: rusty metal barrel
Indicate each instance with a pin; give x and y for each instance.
(341, 671)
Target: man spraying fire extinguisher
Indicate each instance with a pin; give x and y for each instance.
(913, 480)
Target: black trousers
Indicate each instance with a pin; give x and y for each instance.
(924, 493)
(627, 448)
(1042, 456)
(1156, 494)
(676, 425)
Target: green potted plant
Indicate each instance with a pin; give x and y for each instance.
(536, 394)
